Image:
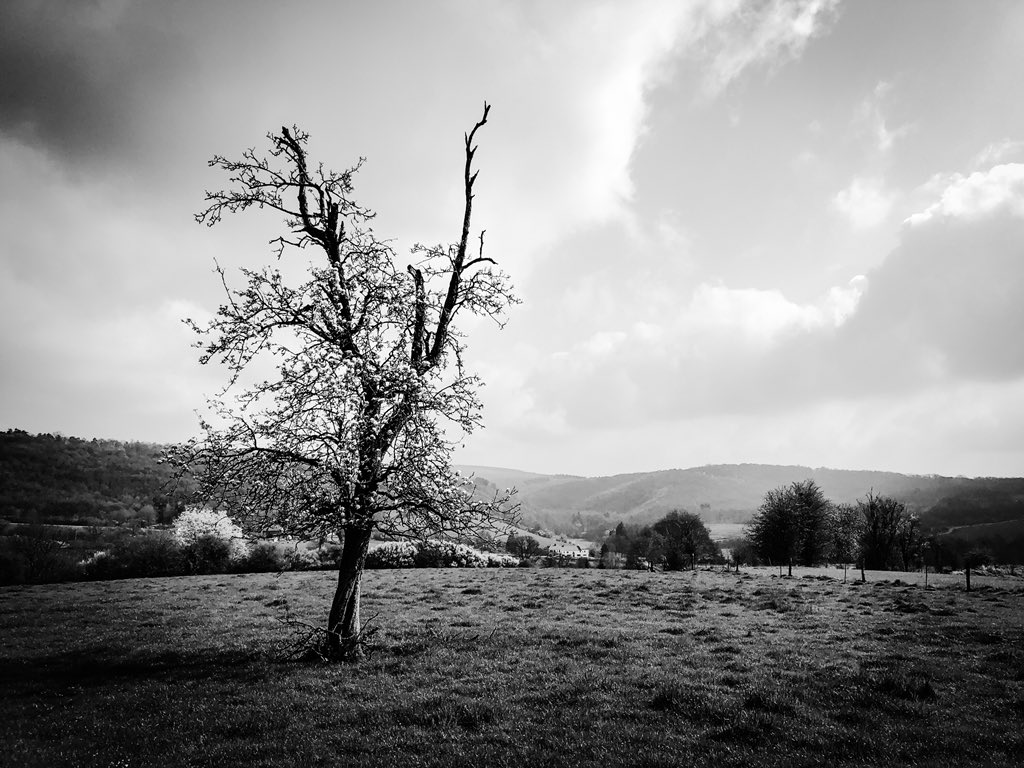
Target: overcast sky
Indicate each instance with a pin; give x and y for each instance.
(783, 232)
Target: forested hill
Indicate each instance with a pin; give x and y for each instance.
(48, 478)
(732, 492)
(55, 479)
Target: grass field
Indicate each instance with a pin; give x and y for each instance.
(521, 667)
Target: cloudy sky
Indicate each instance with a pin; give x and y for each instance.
(784, 231)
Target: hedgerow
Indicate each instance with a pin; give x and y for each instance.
(433, 553)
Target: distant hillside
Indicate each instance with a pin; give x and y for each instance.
(48, 478)
(527, 483)
(54, 479)
(732, 493)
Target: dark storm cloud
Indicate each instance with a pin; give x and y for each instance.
(75, 73)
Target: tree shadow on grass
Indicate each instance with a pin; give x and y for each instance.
(98, 666)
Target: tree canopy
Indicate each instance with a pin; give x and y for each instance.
(677, 540)
(792, 525)
(685, 539)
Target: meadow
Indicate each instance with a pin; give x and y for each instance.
(518, 667)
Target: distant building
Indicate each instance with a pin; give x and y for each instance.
(567, 550)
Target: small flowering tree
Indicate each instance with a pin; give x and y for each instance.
(196, 522)
(355, 431)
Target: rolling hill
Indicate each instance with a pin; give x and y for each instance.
(732, 492)
(48, 478)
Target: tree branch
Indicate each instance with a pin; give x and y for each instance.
(458, 264)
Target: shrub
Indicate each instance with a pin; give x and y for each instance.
(446, 554)
(13, 568)
(329, 556)
(398, 554)
(501, 561)
(145, 554)
(207, 553)
(301, 560)
(261, 558)
(435, 554)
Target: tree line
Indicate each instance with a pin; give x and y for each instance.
(678, 540)
(797, 525)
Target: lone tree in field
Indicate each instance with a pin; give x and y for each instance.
(351, 433)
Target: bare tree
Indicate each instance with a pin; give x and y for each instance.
(354, 432)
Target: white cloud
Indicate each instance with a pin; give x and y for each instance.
(865, 203)
(841, 302)
(972, 429)
(699, 357)
(579, 98)
(981, 194)
(756, 315)
(874, 123)
(743, 35)
(763, 316)
(133, 373)
(938, 313)
(603, 343)
(998, 152)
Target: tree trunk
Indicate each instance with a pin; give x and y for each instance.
(343, 622)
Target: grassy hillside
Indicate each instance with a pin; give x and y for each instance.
(524, 667)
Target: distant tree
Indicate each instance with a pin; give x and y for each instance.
(975, 557)
(772, 532)
(845, 529)
(743, 553)
(812, 516)
(890, 536)
(630, 545)
(791, 525)
(522, 546)
(845, 532)
(146, 514)
(37, 551)
(910, 542)
(686, 539)
(484, 541)
(354, 431)
(978, 556)
(646, 548)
